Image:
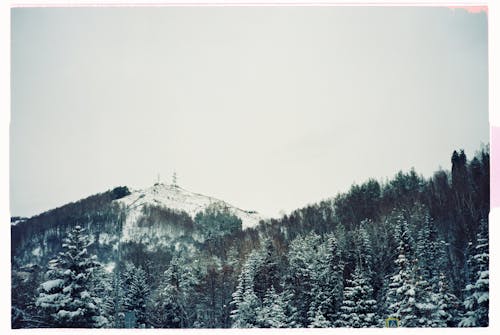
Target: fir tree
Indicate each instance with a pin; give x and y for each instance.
(364, 250)
(245, 301)
(318, 320)
(448, 305)
(273, 313)
(432, 310)
(137, 296)
(67, 298)
(327, 274)
(358, 307)
(174, 307)
(401, 294)
(266, 275)
(101, 284)
(476, 302)
(300, 281)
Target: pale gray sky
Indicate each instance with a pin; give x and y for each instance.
(269, 108)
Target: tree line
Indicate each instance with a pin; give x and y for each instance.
(410, 248)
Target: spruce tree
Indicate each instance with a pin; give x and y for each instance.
(401, 294)
(137, 297)
(66, 298)
(101, 284)
(317, 319)
(449, 309)
(273, 313)
(426, 295)
(476, 302)
(358, 307)
(175, 304)
(315, 278)
(266, 274)
(245, 301)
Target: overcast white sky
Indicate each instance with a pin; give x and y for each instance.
(268, 108)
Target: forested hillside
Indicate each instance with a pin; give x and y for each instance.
(410, 248)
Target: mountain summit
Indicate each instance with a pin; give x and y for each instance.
(175, 197)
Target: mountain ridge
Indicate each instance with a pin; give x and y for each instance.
(172, 196)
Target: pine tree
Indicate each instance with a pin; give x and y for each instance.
(318, 320)
(413, 295)
(448, 305)
(266, 275)
(175, 304)
(426, 281)
(327, 275)
(273, 313)
(364, 250)
(137, 296)
(245, 301)
(67, 298)
(401, 294)
(101, 284)
(303, 259)
(333, 278)
(358, 307)
(476, 302)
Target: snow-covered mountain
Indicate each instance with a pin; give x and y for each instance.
(157, 217)
(177, 198)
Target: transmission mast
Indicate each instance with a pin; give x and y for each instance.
(174, 179)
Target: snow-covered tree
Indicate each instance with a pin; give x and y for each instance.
(266, 274)
(245, 301)
(430, 252)
(448, 305)
(101, 284)
(332, 277)
(25, 284)
(302, 257)
(476, 302)
(318, 320)
(401, 294)
(435, 300)
(273, 313)
(174, 306)
(414, 296)
(315, 278)
(66, 298)
(358, 307)
(136, 298)
(364, 250)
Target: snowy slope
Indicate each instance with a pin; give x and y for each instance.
(175, 197)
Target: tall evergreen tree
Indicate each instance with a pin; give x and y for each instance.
(137, 297)
(66, 298)
(315, 278)
(449, 310)
(266, 275)
(358, 308)
(245, 301)
(303, 260)
(329, 278)
(401, 295)
(101, 284)
(477, 291)
(175, 305)
(273, 313)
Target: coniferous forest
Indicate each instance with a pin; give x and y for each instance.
(409, 249)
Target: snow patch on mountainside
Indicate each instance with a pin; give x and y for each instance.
(175, 197)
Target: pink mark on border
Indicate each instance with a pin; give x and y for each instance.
(471, 9)
(494, 173)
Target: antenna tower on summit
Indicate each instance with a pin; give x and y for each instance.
(174, 179)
